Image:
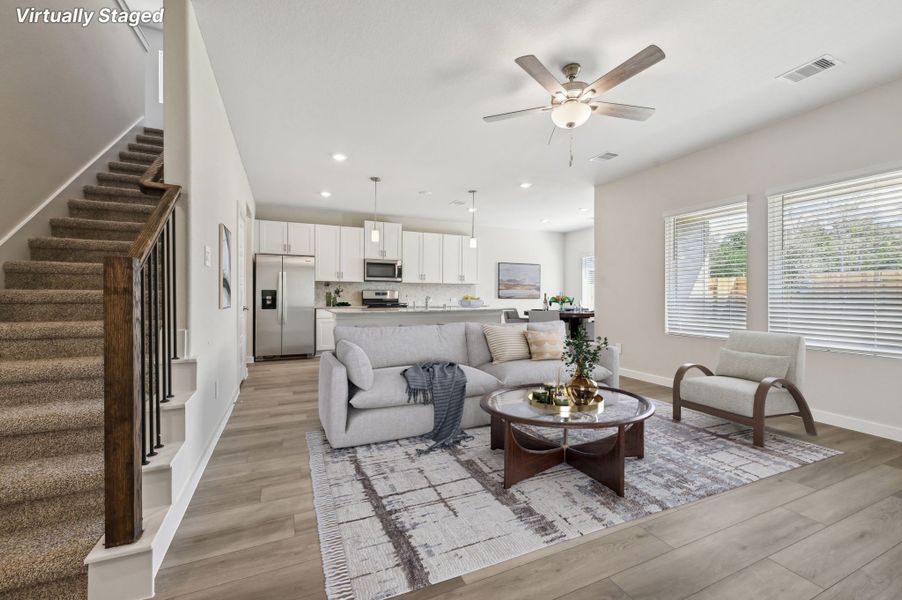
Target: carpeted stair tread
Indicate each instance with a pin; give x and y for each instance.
(69, 588)
(49, 266)
(51, 296)
(153, 131)
(152, 140)
(50, 305)
(34, 274)
(124, 180)
(106, 193)
(94, 229)
(76, 250)
(35, 340)
(126, 168)
(54, 369)
(51, 416)
(145, 148)
(55, 329)
(110, 211)
(48, 477)
(137, 157)
(38, 556)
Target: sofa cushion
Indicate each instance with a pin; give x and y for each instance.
(360, 371)
(506, 342)
(390, 387)
(751, 365)
(522, 372)
(545, 345)
(734, 395)
(407, 345)
(477, 347)
(548, 326)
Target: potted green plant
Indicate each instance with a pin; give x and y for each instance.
(560, 300)
(581, 355)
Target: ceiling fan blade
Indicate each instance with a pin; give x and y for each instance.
(516, 113)
(623, 111)
(617, 75)
(537, 71)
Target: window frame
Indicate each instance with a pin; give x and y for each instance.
(582, 279)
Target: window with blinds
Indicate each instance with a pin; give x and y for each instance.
(588, 279)
(835, 265)
(706, 268)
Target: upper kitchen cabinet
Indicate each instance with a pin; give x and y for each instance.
(277, 237)
(422, 257)
(339, 253)
(389, 245)
(459, 261)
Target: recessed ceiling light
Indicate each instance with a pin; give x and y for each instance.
(424, 193)
(325, 194)
(472, 209)
(338, 156)
(545, 220)
(583, 210)
(525, 185)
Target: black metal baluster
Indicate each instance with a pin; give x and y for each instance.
(157, 251)
(167, 286)
(152, 343)
(175, 337)
(143, 356)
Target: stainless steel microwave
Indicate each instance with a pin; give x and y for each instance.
(381, 270)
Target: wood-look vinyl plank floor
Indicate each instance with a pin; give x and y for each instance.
(250, 531)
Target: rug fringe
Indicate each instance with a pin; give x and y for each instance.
(335, 559)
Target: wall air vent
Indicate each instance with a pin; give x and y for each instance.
(604, 156)
(818, 65)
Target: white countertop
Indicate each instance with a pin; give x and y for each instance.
(419, 309)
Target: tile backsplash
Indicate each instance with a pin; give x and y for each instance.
(439, 293)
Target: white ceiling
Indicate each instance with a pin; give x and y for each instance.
(400, 86)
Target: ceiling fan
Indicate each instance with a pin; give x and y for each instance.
(573, 102)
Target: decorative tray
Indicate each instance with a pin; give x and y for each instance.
(597, 405)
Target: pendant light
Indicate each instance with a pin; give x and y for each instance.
(374, 234)
(473, 219)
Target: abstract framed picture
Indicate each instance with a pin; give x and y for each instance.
(519, 281)
(225, 267)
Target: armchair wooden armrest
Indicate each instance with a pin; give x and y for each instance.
(761, 397)
(677, 379)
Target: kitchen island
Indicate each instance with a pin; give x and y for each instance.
(328, 317)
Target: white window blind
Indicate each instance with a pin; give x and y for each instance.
(706, 268)
(835, 265)
(588, 279)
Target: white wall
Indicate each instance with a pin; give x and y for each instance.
(496, 244)
(153, 109)
(862, 132)
(67, 93)
(577, 244)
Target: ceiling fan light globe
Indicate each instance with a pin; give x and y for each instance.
(570, 114)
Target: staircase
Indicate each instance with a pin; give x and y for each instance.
(51, 384)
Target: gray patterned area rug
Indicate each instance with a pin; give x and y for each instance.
(391, 521)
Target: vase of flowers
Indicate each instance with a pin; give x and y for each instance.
(560, 300)
(581, 355)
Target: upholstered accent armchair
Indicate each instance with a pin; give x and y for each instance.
(759, 374)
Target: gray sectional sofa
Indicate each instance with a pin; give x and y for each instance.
(352, 416)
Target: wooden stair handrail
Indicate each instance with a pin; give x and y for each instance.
(150, 181)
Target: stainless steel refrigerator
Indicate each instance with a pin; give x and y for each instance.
(284, 313)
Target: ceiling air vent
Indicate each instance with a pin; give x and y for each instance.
(814, 67)
(457, 203)
(604, 156)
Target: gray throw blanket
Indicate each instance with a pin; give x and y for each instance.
(443, 385)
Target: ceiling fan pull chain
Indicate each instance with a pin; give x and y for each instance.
(571, 149)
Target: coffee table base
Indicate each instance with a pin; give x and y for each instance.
(603, 460)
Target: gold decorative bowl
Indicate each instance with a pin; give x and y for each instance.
(596, 405)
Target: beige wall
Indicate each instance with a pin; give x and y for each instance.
(857, 134)
(67, 93)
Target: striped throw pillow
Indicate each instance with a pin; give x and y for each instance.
(506, 342)
(545, 345)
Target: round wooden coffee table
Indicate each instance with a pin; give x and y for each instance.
(526, 454)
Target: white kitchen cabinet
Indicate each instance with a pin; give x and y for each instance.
(422, 257)
(339, 253)
(300, 239)
(325, 330)
(271, 237)
(351, 258)
(389, 245)
(459, 261)
(278, 237)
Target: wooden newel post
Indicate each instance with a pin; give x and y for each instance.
(122, 399)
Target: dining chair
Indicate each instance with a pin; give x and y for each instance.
(541, 316)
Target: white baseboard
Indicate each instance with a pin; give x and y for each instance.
(855, 424)
(889, 432)
(647, 377)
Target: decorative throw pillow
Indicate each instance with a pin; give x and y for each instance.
(506, 342)
(750, 365)
(545, 345)
(355, 360)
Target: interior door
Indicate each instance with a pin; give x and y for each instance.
(271, 236)
(469, 261)
(351, 265)
(268, 305)
(298, 305)
(241, 247)
(410, 257)
(300, 239)
(391, 241)
(432, 258)
(451, 258)
(327, 252)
